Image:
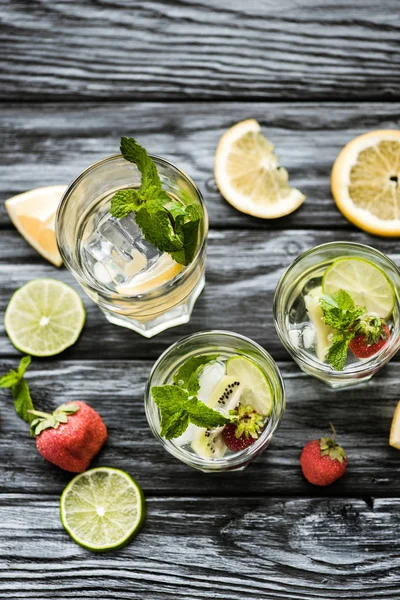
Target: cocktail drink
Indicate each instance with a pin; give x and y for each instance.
(132, 229)
(336, 310)
(214, 400)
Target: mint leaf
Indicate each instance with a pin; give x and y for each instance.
(339, 310)
(19, 389)
(134, 153)
(23, 365)
(203, 416)
(188, 232)
(156, 227)
(177, 409)
(9, 379)
(124, 202)
(187, 376)
(22, 401)
(337, 352)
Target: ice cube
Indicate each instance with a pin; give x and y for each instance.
(309, 337)
(115, 251)
(295, 337)
(209, 378)
(187, 436)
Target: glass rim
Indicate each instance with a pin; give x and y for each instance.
(153, 292)
(304, 358)
(238, 458)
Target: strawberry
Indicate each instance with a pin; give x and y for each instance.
(244, 429)
(371, 336)
(70, 437)
(323, 461)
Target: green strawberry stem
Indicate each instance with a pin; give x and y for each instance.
(51, 420)
(38, 413)
(333, 431)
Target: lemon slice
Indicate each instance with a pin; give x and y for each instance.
(394, 439)
(33, 213)
(365, 182)
(366, 284)
(248, 175)
(163, 271)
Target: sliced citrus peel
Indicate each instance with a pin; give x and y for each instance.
(248, 175)
(365, 182)
(163, 271)
(33, 213)
(394, 439)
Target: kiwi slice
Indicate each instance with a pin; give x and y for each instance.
(208, 443)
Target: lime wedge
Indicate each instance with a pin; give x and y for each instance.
(44, 317)
(102, 509)
(366, 283)
(257, 390)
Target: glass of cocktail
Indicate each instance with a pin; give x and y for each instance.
(122, 266)
(336, 311)
(214, 400)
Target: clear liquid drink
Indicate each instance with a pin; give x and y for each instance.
(305, 321)
(239, 376)
(133, 283)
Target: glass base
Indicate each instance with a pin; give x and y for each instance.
(343, 382)
(177, 315)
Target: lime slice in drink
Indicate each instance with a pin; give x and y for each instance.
(102, 509)
(44, 317)
(257, 390)
(366, 283)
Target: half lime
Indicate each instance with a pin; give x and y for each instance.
(44, 317)
(366, 283)
(257, 390)
(102, 509)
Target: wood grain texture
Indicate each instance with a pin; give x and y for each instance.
(219, 548)
(52, 143)
(158, 49)
(116, 390)
(243, 269)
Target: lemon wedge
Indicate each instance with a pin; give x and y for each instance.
(365, 182)
(394, 439)
(248, 174)
(164, 270)
(33, 213)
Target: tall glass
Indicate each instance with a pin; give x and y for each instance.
(168, 304)
(304, 273)
(226, 344)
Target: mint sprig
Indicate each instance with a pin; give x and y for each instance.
(340, 312)
(19, 389)
(165, 223)
(178, 408)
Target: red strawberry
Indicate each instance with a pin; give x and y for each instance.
(71, 436)
(371, 335)
(244, 430)
(323, 461)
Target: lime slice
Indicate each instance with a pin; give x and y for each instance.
(366, 283)
(44, 317)
(257, 389)
(102, 509)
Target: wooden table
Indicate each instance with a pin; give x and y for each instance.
(176, 75)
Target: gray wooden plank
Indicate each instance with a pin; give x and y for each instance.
(243, 268)
(52, 143)
(212, 49)
(115, 388)
(260, 549)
